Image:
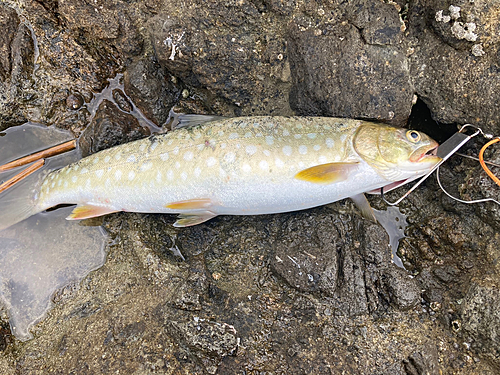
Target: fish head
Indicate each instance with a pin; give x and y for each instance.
(396, 153)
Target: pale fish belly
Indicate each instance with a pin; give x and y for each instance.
(236, 167)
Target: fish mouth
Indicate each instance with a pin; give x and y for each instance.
(426, 154)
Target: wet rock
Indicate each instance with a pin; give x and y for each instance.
(110, 127)
(151, 89)
(122, 101)
(481, 317)
(422, 363)
(379, 22)
(240, 66)
(336, 84)
(212, 340)
(449, 68)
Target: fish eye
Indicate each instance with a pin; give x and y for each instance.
(413, 136)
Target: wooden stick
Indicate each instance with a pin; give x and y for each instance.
(22, 175)
(52, 151)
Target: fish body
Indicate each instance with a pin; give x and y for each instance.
(239, 166)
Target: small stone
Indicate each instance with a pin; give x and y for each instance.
(74, 101)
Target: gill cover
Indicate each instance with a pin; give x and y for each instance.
(395, 153)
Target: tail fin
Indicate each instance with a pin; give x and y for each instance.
(20, 201)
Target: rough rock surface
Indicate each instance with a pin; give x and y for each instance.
(308, 292)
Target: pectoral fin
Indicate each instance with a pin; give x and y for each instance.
(193, 219)
(327, 173)
(87, 211)
(191, 204)
(364, 206)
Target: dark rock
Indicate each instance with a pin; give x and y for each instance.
(448, 71)
(404, 291)
(74, 101)
(110, 127)
(151, 89)
(481, 317)
(423, 363)
(122, 101)
(9, 22)
(336, 84)
(379, 22)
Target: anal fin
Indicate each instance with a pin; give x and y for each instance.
(87, 211)
(188, 220)
(191, 204)
(364, 206)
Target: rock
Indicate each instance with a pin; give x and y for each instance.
(336, 85)
(151, 89)
(481, 317)
(110, 127)
(9, 22)
(446, 72)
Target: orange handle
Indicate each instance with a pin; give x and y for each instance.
(483, 164)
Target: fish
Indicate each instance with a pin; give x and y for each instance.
(210, 166)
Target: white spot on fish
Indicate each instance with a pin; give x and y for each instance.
(251, 149)
(279, 163)
(53, 184)
(238, 146)
(107, 183)
(107, 159)
(267, 152)
(170, 174)
(343, 137)
(197, 135)
(311, 135)
(177, 165)
(99, 173)
(222, 172)
(211, 161)
(65, 184)
(233, 136)
(74, 179)
(146, 166)
(256, 125)
(287, 150)
(329, 143)
(246, 168)
(184, 176)
(84, 170)
(297, 136)
(87, 184)
(322, 159)
(223, 145)
(142, 147)
(264, 165)
(75, 167)
(176, 150)
(154, 145)
(301, 164)
(131, 159)
(164, 156)
(118, 156)
(286, 133)
(316, 147)
(221, 133)
(302, 149)
(269, 140)
(188, 156)
(197, 171)
(96, 159)
(259, 134)
(248, 135)
(159, 177)
(170, 141)
(59, 182)
(118, 175)
(230, 157)
(131, 175)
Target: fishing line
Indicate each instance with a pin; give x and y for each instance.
(449, 148)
